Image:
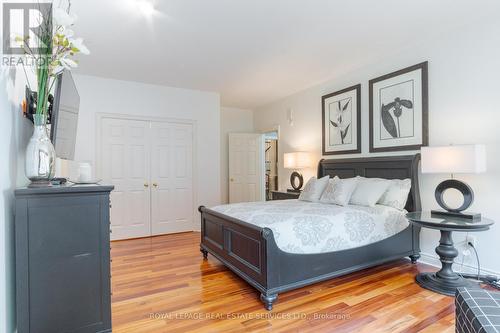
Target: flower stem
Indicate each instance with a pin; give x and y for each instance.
(399, 131)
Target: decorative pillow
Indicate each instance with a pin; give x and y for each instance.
(397, 194)
(339, 191)
(313, 189)
(368, 191)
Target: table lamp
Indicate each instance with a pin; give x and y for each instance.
(296, 161)
(454, 159)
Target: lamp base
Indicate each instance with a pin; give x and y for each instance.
(296, 178)
(466, 191)
(465, 215)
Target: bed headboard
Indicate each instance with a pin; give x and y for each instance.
(388, 167)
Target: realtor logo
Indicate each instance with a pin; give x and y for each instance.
(23, 23)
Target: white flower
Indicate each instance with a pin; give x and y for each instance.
(61, 17)
(78, 43)
(68, 32)
(56, 70)
(68, 63)
(16, 39)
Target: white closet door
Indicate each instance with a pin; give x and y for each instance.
(246, 167)
(171, 176)
(125, 156)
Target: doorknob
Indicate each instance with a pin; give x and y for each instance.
(146, 185)
(232, 179)
(155, 185)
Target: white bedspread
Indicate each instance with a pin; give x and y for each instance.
(307, 227)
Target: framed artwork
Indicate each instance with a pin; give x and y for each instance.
(341, 115)
(399, 110)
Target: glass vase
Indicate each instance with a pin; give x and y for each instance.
(40, 154)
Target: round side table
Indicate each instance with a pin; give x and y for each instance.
(446, 281)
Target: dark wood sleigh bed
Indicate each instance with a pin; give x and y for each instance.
(251, 251)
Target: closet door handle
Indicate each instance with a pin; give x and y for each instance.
(146, 185)
(155, 185)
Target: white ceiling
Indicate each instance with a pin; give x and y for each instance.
(256, 51)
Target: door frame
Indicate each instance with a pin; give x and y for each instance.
(274, 128)
(98, 143)
(262, 166)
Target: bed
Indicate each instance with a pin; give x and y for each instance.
(251, 250)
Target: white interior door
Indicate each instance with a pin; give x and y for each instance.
(125, 161)
(246, 167)
(171, 177)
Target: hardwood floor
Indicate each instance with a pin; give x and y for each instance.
(162, 284)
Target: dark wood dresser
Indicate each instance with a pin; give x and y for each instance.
(62, 259)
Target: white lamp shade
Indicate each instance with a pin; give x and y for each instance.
(454, 159)
(297, 160)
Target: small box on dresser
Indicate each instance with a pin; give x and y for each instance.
(63, 259)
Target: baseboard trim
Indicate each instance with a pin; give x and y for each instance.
(433, 260)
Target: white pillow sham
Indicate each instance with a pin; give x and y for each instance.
(339, 191)
(368, 191)
(313, 189)
(397, 193)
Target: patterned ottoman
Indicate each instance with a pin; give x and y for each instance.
(477, 310)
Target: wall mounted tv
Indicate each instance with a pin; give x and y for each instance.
(64, 117)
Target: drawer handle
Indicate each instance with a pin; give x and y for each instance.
(82, 255)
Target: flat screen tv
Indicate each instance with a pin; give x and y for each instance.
(64, 118)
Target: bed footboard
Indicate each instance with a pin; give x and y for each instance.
(239, 245)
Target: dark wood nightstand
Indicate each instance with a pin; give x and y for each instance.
(278, 195)
(446, 281)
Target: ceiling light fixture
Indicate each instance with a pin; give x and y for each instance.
(146, 7)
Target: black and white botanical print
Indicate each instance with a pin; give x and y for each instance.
(396, 111)
(341, 121)
(399, 110)
(340, 118)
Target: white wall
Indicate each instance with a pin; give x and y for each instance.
(232, 120)
(14, 134)
(464, 85)
(100, 95)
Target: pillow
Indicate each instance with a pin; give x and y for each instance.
(368, 191)
(339, 191)
(313, 189)
(397, 194)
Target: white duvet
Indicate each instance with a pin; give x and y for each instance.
(307, 227)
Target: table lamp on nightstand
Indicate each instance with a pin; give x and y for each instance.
(296, 161)
(454, 159)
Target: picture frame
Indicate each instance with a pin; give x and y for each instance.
(341, 121)
(398, 107)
